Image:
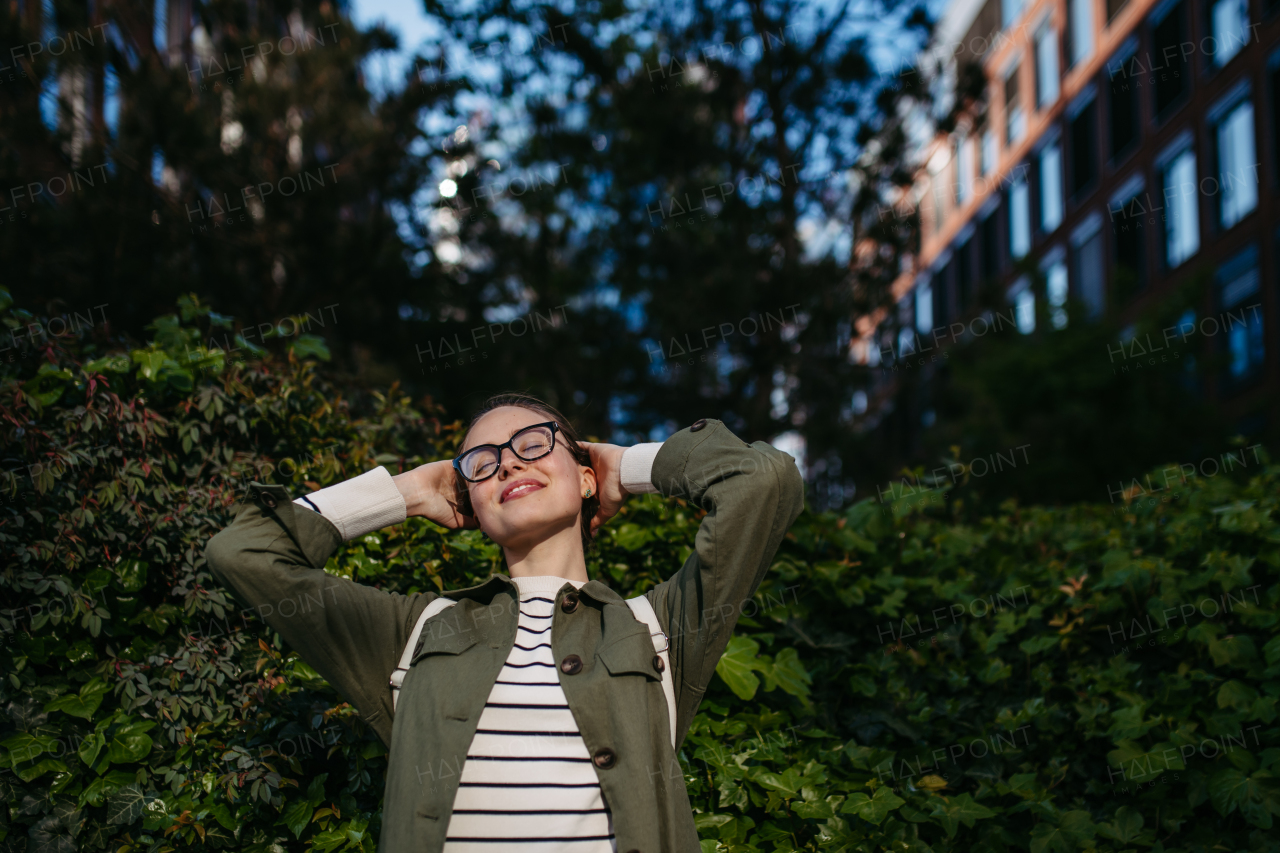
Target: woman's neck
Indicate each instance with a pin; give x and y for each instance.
(559, 555)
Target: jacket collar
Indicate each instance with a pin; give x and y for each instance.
(498, 582)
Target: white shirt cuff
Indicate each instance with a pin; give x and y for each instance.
(359, 505)
(637, 468)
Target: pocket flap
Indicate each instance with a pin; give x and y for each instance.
(632, 654)
(440, 636)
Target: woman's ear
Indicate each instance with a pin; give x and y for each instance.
(589, 482)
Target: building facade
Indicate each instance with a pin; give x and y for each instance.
(1111, 153)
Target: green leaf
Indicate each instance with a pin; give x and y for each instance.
(736, 665)
(129, 743)
(132, 575)
(1046, 838)
(953, 811)
(1234, 694)
(787, 672)
(788, 782)
(297, 817)
(307, 346)
(37, 770)
(23, 746)
(83, 705)
(1035, 645)
(125, 806)
(873, 809)
(1125, 827)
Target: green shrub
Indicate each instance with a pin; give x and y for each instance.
(905, 679)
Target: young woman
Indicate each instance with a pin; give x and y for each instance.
(532, 715)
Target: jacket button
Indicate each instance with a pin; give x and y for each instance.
(569, 603)
(571, 665)
(268, 500)
(605, 758)
(698, 424)
(658, 664)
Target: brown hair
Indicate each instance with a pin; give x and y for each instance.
(568, 436)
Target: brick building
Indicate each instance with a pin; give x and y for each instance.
(1110, 152)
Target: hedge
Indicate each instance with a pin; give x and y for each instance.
(911, 676)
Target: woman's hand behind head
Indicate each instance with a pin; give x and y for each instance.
(606, 461)
(429, 491)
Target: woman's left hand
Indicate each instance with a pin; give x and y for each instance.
(606, 460)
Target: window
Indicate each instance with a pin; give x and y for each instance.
(1128, 216)
(1229, 23)
(1169, 63)
(1050, 187)
(924, 307)
(1046, 66)
(1083, 141)
(988, 158)
(1273, 74)
(991, 246)
(1080, 27)
(1240, 302)
(964, 166)
(1237, 164)
(1024, 305)
(1015, 119)
(1114, 7)
(1181, 216)
(1056, 291)
(1123, 109)
(1010, 10)
(964, 274)
(1087, 268)
(1019, 218)
(941, 295)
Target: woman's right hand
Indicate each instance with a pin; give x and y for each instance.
(429, 491)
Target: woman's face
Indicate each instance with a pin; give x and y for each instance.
(525, 502)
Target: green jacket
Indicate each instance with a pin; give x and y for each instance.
(273, 555)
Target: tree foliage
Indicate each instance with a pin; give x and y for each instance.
(910, 677)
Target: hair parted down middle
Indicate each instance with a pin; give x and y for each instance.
(568, 436)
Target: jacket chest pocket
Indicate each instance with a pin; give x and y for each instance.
(442, 637)
(632, 654)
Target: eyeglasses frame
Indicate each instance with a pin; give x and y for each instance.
(508, 445)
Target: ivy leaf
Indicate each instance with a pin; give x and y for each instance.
(83, 705)
(953, 811)
(1045, 838)
(297, 817)
(1125, 827)
(873, 809)
(788, 782)
(38, 770)
(124, 807)
(788, 673)
(49, 835)
(736, 665)
(129, 743)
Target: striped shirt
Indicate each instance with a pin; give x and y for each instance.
(528, 778)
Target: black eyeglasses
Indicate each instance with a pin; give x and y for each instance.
(532, 442)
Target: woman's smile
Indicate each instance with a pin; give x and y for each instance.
(519, 489)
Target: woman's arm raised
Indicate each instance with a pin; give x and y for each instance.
(273, 555)
(752, 493)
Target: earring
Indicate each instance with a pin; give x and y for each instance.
(587, 495)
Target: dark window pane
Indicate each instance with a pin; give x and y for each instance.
(1275, 111)
(1124, 113)
(990, 246)
(964, 274)
(1127, 223)
(1169, 61)
(1084, 158)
